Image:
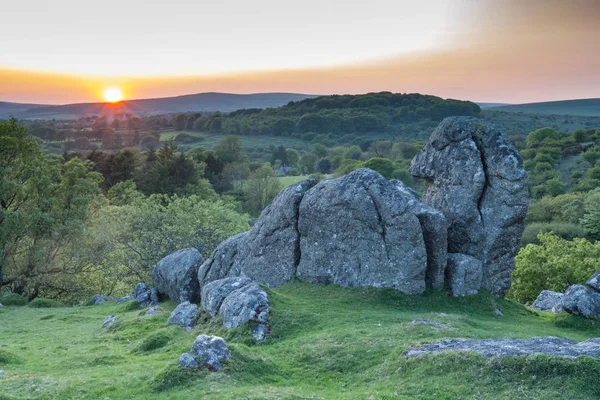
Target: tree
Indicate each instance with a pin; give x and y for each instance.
(324, 165)
(20, 161)
(261, 189)
(382, 165)
(179, 122)
(279, 154)
(319, 150)
(591, 218)
(307, 163)
(136, 236)
(230, 149)
(293, 157)
(554, 265)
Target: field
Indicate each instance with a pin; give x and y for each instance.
(326, 342)
(257, 147)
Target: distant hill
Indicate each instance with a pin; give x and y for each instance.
(7, 109)
(581, 107)
(224, 102)
(490, 105)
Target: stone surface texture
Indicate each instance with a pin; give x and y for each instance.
(145, 295)
(176, 275)
(463, 274)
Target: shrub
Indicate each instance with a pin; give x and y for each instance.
(555, 265)
(44, 303)
(13, 299)
(564, 230)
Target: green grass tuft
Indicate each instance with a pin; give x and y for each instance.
(44, 303)
(9, 358)
(155, 341)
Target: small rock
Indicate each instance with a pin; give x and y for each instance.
(1, 305)
(208, 352)
(498, 312)
(1, 372)
(421, 321)
(549, 301)
(124, 299)
(98, 299)
(583, 301)
(145, 295)
(153, 311)
(260, 333)
(213, 293)
(111, 319)
(185, 315)
(176, 275)
(249, 303)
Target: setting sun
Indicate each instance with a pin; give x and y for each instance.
(113, 94)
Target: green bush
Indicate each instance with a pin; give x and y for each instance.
(555, 265)
(44, 303)
(9, 358)
(564, 230)
(13, 299)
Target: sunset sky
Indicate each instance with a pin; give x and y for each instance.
(68, 51)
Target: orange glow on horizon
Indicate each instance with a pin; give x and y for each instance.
(113, 94)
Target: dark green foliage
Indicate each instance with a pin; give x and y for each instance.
(44, 303)
(13, 299)
(564, 230)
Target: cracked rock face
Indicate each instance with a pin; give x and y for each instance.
(476, 178)
(176, 275)
(358, 230)
(269, 252)
(511, 347)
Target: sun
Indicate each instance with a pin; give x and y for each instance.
(113, 94)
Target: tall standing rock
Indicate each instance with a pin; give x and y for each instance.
(476, 178)
(176, 275)
(358, 230)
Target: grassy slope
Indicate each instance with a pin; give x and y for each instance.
(327, 342)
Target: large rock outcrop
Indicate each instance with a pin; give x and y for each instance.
(357, 230)
(475, 176)
(269, 252)
(176, 275)
(363, 230)
(583, 301)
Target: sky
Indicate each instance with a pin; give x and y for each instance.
(512, 51)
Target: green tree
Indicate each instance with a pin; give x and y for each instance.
(230, 149)
(382, 165)
(260, 189)
(554, 265)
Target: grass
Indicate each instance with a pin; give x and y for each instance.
(326, 342)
